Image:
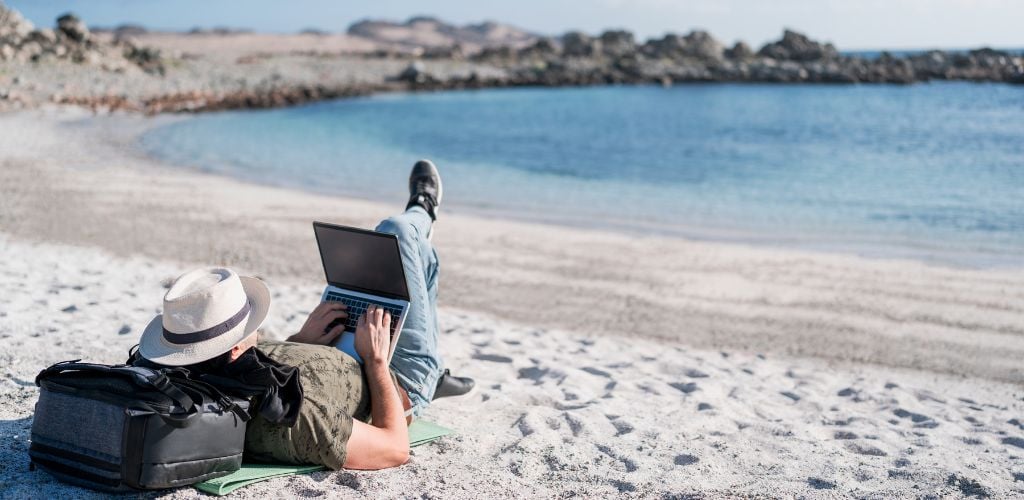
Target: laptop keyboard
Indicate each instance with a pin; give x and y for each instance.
(357, 307)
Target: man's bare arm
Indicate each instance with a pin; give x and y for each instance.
(385, 443)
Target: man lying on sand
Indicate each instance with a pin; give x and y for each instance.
(210, 323)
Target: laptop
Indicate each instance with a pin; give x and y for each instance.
(362, 268)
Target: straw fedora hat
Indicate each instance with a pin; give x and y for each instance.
(206, 312)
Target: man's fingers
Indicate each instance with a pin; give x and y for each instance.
(333, 315)
(334, 333)
(326, 307)
(387, 320)
(378, 316)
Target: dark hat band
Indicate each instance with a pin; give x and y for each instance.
(209, 333)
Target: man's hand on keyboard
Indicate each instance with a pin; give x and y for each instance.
(373, 335)
(315, 331)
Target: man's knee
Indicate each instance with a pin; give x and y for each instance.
(404, 230)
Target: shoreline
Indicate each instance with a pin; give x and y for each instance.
(897, 313)
(859, 242)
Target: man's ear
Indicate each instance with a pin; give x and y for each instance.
(238, 349)
(243, 346)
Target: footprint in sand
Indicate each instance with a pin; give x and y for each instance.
(596, 371)
(695, 373)
(968, 487)
(493, 358)
(704, 407)
(865, 449)
(621, 426)
(685, 459)
(919, 420)
(524, 428)
(820, 484)
(628, 463)
(350, 480)
(686, 388)
(533, 373)
(623, 486)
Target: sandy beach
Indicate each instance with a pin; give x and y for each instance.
(680, 368)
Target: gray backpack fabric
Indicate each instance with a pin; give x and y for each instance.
(123, 428)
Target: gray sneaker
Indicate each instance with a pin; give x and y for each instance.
(425, 187)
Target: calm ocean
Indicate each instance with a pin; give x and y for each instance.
(932, 171)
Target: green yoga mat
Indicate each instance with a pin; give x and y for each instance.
(420, 432)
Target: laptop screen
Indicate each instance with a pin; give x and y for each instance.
(361, 260)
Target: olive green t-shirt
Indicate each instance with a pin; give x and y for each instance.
(334, 393)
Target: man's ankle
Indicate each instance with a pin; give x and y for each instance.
(425, 202)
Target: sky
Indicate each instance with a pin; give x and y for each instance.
(850, 24)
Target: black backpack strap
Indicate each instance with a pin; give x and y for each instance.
(225, 402)
(162, 383)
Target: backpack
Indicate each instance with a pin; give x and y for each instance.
(122, 428)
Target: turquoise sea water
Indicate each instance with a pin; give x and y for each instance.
(932, 171)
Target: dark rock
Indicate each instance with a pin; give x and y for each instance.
(577, 44)
(617, 43)
(698, 45)
(413, 73)
(45, 37)
(73, 27)
(740, 52)
(541, 49)
(797, 47)
(701, 45)
(453, 51)
(147, 58)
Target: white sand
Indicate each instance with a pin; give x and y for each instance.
(571, 400)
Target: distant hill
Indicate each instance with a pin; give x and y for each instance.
(429, 32)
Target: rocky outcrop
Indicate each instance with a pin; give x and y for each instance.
(71, 41)
(578, 44)
(797, 47)
(73, 28)
(740, 52)
(614, 57)
(617, 43)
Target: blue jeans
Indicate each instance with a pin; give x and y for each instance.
(417, 360)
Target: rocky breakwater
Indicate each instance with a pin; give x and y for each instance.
(68, 42)
(615, 57)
